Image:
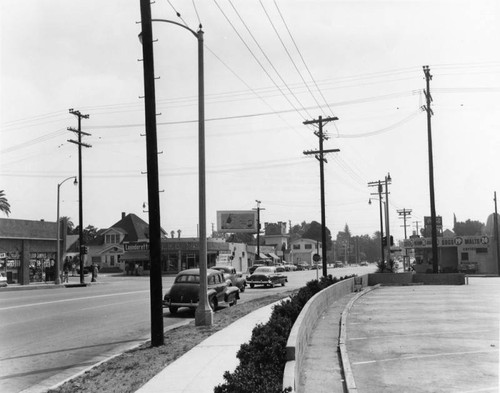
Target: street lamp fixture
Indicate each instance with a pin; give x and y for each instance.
(204, 313)
(58, 246)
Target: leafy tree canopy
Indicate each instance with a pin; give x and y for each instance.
(469, 228)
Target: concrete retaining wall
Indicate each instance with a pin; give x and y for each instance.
(416, 278)
(305, 323)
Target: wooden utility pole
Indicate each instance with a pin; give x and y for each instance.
(427, 92)
(319, 154)
(403, 213)
(79, 132)
(155, 280)
(497, 239)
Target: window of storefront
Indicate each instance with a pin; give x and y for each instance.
(465, 256)
(296, 246)
(308, 246)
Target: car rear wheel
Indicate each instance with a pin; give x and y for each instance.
(283, 284)
(173, 309)
(252, 285)
(234, 302)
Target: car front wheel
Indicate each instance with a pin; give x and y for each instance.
(213, 304)
(173, 309)
(252, 285)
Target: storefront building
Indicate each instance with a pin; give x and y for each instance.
(469, 254)
(176, 255)
(28, 250)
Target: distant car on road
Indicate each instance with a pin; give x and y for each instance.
(3, 279)
(267, 276)
(232, 277)
(184, 292)
(252, 268)
(303, 266)
(338, 264)
(290, 267)
(364, 263)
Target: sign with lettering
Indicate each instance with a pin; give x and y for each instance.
(458, 241)
(139, 246)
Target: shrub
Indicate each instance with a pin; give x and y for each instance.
(262, 360)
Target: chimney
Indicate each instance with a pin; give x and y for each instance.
(123, 215)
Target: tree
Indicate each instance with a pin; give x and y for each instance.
(469, 228)
(89, 233)
(70, 225)
(298, 230)
(314, 232)
(4, 204)
(246, 238)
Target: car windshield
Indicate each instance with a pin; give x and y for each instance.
(188, 278)
(264, 270)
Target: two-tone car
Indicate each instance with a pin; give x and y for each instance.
(185, 290)
(267, 276)
(232, 277)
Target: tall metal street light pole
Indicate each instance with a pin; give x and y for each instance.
(58, 246)
(204, 313)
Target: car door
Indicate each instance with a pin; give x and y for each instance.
(219, 286)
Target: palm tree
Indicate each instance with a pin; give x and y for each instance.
(4, 204)
(69, 223)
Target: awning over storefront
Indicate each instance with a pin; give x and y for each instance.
(135, 256)
(263, 256)
(273, 255)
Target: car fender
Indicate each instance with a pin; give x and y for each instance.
(231, 292)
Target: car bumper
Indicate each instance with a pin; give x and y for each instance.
(169, 303)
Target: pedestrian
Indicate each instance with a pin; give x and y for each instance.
(66, 273)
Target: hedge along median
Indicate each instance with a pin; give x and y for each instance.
(263, 359)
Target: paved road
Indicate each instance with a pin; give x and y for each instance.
(48, 335)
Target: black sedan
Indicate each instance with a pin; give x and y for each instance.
(185, 290)
(267, 276)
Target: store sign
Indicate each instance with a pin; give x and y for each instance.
(139, 246)
(458, 241)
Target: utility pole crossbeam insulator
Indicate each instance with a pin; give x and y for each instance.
(79, 143)
(319, 155)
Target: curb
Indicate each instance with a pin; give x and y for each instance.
(350, 383)
(142, 341)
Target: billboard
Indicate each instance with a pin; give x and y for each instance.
(234, 221)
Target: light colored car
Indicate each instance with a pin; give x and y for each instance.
(267, 276)
(289, 267)
(3, 279)
(232, 277)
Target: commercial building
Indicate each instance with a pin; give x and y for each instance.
(28, 250)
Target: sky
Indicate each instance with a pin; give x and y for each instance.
(269, 65)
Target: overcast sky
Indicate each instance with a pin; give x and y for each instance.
(358, 60)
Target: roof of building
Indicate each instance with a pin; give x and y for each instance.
(27, 229)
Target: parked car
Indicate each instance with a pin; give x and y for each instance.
(184, 292)
(303, 266)
(266, 275)
(232, 277)
(338, 264)
(3, 279)
(280, 268)
(252, 268)
(290, 267)
(364, 263)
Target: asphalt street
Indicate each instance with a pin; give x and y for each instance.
(49, 335)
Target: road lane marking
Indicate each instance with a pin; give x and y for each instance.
(422, 357)
(397, 336)
(71, 300)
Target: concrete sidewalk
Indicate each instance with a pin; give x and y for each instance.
(202, 368)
